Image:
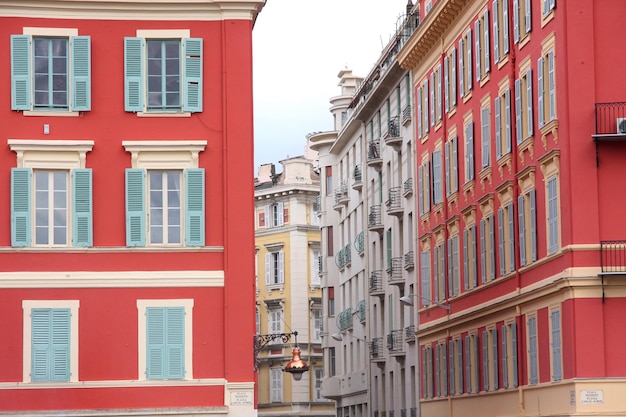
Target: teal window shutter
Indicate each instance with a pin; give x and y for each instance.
(82, 206)
(81, 73)
(135, 207)
(133, 74)
(194, 205)
(192, 50)
(20, 207)
(20, 72)
(50, 344)
(165, 342)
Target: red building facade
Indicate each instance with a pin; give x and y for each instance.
(518, 107)
(124, 126)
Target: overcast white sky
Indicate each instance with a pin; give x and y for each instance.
(299, 48)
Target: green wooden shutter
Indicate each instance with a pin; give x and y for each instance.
(175, 343)
(133, 74)
(135, 207)
(194, 206)
(50, 344)
(60, 337)
(20, 207)
(81, 73)
(20, 72)
(192, 50)
(155, 343)
(82, 217)
(40, 344)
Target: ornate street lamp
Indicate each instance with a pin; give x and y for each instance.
(296, 366)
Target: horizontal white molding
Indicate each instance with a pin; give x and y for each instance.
(112, 249)
(114, 384)
(112, 279)
(165, 10)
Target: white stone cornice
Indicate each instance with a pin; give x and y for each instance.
(193, 10)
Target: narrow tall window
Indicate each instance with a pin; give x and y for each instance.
(533, 359)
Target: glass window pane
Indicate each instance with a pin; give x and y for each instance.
(156, 180)
(41, 236)
(173, 234)
(60, 218)
(154, 49)
(154, 84)
(173, 199)
(41, 218)
(60, 236)
(172, 49)
(60, 181)
(59, 82)
(172, 66)
(154, 66)
(59, 99)
(59, 65)
(59, 47)
(156, 234)
(41, 98)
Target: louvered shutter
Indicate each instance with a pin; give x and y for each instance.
(426, 93)
(529, 100)
(485, 138)
(437, 372)
(82, 206)
(496, 32)
(60, 345)
(20, 72)
(470, 149)
(528, 16)
(135, 207)
(514, 354)
(477, 49)
(455, 264)
(498, 128)
(551, 86)
(505, 358)
(268, 218)
(459, 358)
(446, 151)
(552, 216)
(461, 67)
(175, 343)
(194, 207)
(516, 31)
(450, 274)
(455, 164)
(81, 72)
(155, 343)
(492, 247)
(466, 268)
(40, 345)
(192, 49)
(444, 370)
(532, 350)
(424, 375)
(420, 181)
(281, 267)
(518, 111)
(486, 360)
(419, 112)
(507, 119)
(486, 38)
(473, 260)
(133, 74)
(501, 259)
(521, 215)
(446, 81)
(280, 214)
(483, 252)
(436, 273)
(494, 351)
(453, 76)
(505, 26)
(21, 233)
(268, 268)
(511, 236)
(468, 366)
(533, 226)
(433, 116)
(540, 92)
(556, 345)
(451, 367)
(427, 184)
(469, 60)
(439, 109)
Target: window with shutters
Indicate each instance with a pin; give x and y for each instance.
(550, 171)
(439, 267)
(437, 161)
(482, 47)
(51, 194)
(485, 135)
(508, 337)
(276, 385)
(506, 229)
(502, 128)
(556, 357)
(466, 65)
(275, 269)
(423, 179)
(165, 190)
(449, 80)
(275, 215)
(428, 382)
(487, 240)
(275, 320)
(454, 278)
(164, 328)
(547, 11)
(533, 349)
(471, 371)
(456, 353)
(436, 85)
(546, 88)
(524, 121)
(50, 340)
(468, 150)
(423, 109)
(425, 278)
(527, 216)
(522, 21)
(500, 17)
(50, 72)
(451, 152)
(318, 375)
(316, 315)
(470, 250)
(441, 370)
(163, 72)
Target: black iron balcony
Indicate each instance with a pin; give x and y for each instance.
(392, 135)
(375, 219)
(394, 272)
(320, 265)
(344, 319)
(611, 119)
(394, 203)
(361, 311)
(358, 178)
(374, 158)
(406, 114)
(394, 341)
(341, 194)
(376, 348)
(359, 243)
(409, 260)
(408, 187)
(613, 256)
(376, 283)
(409, 334)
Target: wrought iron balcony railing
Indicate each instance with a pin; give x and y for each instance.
(341, 193)
(409, 333)
(376, 282)
(320, 265)
(394, 341)
(373, 150)
(376, 348)
(359, 242)
(394, 203)
(613, 256)
(408, 187)
(611, 118)
(361, 311)
(406, 114)
(344, 319)
(409, 260)
(394, 272)
(375, 218)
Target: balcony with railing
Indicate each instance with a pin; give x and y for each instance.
(409, 260)
(409, 334)
(613, 257)
(359, 243)
(376, 349)
(394, 271)
(395, 341)
(414, 412)
(320, 265)
(357, 176)
(394, 203)
(317, 205)
(340, 259)
(392, 135)
(407, 187)
(406, 115)
(376, 283)
(374, 158)
(375, 219)
(347, 254)
(341, 195)
(610, 123)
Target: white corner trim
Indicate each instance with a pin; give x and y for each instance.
(112, 279)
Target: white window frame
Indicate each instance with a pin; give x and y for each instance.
(142, 306)
(27, 307)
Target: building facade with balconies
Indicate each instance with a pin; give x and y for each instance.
(520, 241)
(367, 225)
(125, 128)
(288, 290)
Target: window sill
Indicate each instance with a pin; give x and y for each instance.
(503, 61)
(163, 114)
(51, 113)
